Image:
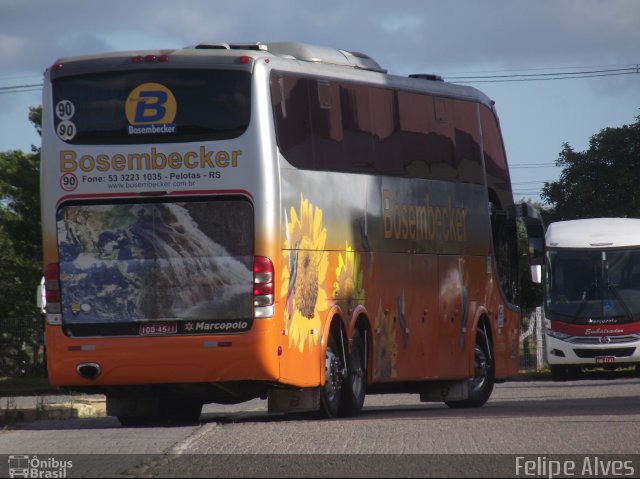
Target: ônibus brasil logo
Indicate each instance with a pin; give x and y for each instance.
(32, 466)
(150, 109)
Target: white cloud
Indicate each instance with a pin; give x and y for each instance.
(11, 47)
(452, 34)
(404, 36)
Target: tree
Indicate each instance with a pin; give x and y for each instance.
(601, 181)
(20, 257)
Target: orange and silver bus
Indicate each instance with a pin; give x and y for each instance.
(280, 221)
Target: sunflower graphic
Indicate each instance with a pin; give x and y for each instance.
(348, 283)
(386, 350)
(304, 274)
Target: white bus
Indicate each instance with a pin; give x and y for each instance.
(592, 295)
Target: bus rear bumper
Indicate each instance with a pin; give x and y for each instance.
(98, 363)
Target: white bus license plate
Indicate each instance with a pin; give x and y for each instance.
(605, 359)
(149, 329)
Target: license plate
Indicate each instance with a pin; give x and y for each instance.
(605, 359)
(149, 329)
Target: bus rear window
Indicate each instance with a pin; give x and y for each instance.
(153, 106)
(144, 261)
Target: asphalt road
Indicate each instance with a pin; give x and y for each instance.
(540, 422)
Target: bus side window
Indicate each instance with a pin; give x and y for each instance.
(494, 158)
(356, 123)
(505, 248)
(326, 125)
(468, 159)
(385, 128)
(414, 110)
(291, 116)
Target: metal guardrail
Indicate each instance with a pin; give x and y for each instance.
(532, 354)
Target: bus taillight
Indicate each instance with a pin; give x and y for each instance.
(262, 287)
(52, 293)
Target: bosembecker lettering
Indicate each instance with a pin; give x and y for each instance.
(153, 160)
(423, 222)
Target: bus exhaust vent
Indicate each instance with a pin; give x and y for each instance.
(426, 76)
(231, 46)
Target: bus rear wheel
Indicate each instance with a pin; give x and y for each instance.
(564, 372)
(481, 385)
(355, 385)
(170, 412)
(180, 411)
(331, 392)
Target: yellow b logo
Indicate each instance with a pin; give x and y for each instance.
(150, 104)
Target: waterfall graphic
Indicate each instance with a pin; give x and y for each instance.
(132, 262)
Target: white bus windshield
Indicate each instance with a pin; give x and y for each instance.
(593, 285)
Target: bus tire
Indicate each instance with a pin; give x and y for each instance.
(180, 411)
(481, 385)
(564, 372)
(355, 384)
(559, 373)
(171, 412)
(136, 421)
(331, 392)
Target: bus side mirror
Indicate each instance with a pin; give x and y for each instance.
(536, 251)
(536, 274)
(41, 298)
(535, 238)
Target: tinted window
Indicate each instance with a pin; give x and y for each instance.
(468, 160)
(495, 160)
(149, 260)
(356, 122)
(424, 143)
(348, 127)
(293, 126)
(326, 129)
(384, 115)
(152, 106)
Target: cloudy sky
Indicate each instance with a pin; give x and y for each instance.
(576, 60)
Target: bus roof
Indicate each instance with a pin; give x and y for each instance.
(303, 51)
(293, 56)
(594, 233)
